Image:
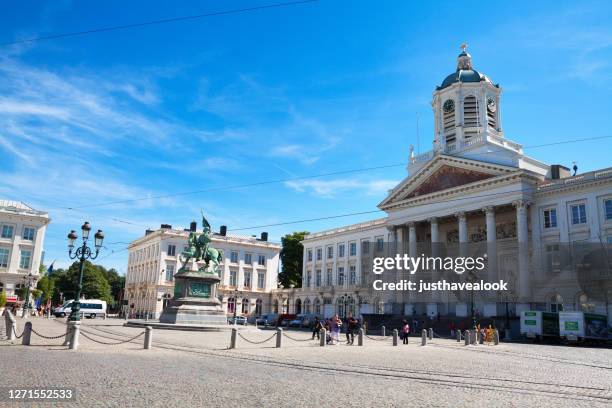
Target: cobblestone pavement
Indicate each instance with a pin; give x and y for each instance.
(196, 368)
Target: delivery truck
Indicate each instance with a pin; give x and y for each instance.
(580, 326)
(537, 324)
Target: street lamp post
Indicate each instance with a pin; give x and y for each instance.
(83, 252)
(26, 302)
(236, 292)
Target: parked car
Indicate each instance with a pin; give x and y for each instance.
(239, 320)
(284, 319)
(302, 320)
(270, 318)
(91, 308)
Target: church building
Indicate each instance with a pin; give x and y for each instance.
(536, 222)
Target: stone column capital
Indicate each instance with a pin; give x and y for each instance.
(433, 220)
(489, 209)
(521, 204)
(460, 215)
(411, 224)
(391, 228)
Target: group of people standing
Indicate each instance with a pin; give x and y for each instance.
(334, 325)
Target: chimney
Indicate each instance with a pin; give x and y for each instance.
(193, 226)
(264, 236)
(558, 171)
(166, 226)
(223, 230)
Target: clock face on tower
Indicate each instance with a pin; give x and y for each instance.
(448, 106)
(491, 106)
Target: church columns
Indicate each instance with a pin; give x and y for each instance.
(523, 253)
(435, 236)
(412, 239)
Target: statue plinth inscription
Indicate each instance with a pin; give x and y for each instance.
(195, 289)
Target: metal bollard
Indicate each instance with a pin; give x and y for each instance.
(466, 336)
(477, 336)
(148, 340)
(233, 339)
(472, 336)
(430, 333)
(279, 337)
(423, 337)
(322, 337)
(384, 331)
(27, 334)
(125, 317)
(496, 337)
(395, 337)
(74, 339)
(458, 336)
(360, 337)
(481, 338)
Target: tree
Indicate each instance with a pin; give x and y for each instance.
(95, 285)
(2, 299)
(292, 256)
(47, 285)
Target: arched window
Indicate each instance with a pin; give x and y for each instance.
(307, 306)
(350, 305)
(231, 305)
(317, 307)
(245, 306)
(258, 307)
(448, 120)
(298, 306)
(556, 303)
(470, 112)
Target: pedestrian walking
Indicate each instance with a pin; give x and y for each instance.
(405, 331)
(316, 328)
(351, 324)
(336, 325)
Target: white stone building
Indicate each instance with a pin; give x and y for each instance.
(249, 271)
(474, 180)
(22, 235)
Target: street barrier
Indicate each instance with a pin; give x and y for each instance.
(279, 337)
(384, 331)
(74, 339)
(27, 334)
(394, 337)
(466, 337)
(233, 339)
(148, 341)
(496, 337)
(423, 337)
(430, 333)
(323, 338)
(360, 338)
(458, 336)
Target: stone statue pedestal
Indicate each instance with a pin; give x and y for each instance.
(195, 300)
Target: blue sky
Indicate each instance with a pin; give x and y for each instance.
(271, 94)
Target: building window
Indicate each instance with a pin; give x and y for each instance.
(247, 279)
(261, 280)
(380, 244)
(317, 307)
(578, 214)
(329, 277)
(556, 304)
(245, 306)
(310, 255)
(470, 112)
(231, 305)
(340, 250)
(28, 234)
(340, 276)
(608, 209)
(234, 257)
(318, 278)
(7, 231)
(308, 278)
(352, 275)
(365, 247)
(169, 273)
(258, 307)
(553, 262)
(232, 277)
(4, 257)
(261, 260)
(171, 250)
(352, 248)
(26, 259)
(330, 252)
(248, 259)
(550, 218)
(319, 254)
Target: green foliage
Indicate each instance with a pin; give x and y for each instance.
(21, 292)
(46, 285)
(292, 255)
(2, 299)
(35, 294)
(95, 284)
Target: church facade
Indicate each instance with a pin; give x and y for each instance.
(536, 222)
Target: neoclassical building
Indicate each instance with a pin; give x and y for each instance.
(249, 271)
(475, 188)
(22, 235)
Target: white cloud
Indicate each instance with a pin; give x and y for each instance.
(333, 188)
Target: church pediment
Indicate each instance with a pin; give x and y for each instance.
(447, 177)
(444, 173)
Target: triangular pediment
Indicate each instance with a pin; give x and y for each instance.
(444, 173)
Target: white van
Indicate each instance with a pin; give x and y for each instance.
(91, 308)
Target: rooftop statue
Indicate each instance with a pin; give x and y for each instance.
(199, 248)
